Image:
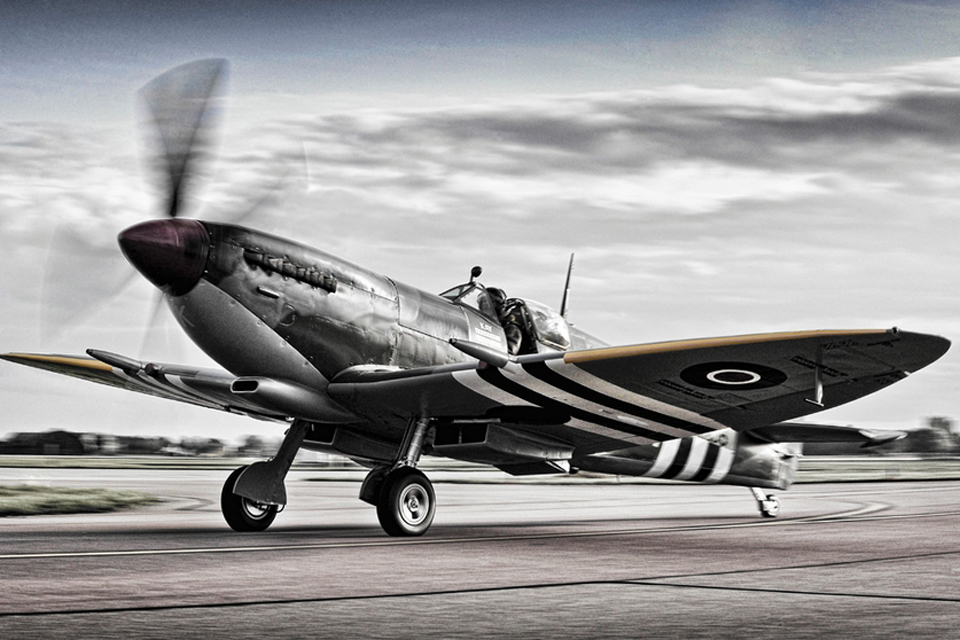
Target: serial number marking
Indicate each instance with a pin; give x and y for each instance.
(684, 390)
(810, 364)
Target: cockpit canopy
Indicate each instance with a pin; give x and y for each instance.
(550, 327)
(473, 295)
(544, 329)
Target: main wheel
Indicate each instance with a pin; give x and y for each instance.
(407, 503)
(244, 514)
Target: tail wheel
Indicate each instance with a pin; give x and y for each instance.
(244, 514)
(770, 508)
(407, 503)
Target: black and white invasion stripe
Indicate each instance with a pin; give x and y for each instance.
(692, 459)
(594, 405)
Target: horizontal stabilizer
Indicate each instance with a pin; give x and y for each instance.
(806, 432)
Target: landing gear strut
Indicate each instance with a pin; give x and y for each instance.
(404, 497)
(768, 504)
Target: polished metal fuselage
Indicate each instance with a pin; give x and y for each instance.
(251, 289)
(272, 308)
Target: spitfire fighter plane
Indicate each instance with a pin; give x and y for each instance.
(359, 364)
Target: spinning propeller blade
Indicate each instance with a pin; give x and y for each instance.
(180, 103)
(79, 276)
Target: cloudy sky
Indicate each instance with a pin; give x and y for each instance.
(718, 169)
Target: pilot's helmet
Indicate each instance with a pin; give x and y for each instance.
(497, 296)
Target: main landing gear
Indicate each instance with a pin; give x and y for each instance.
(768, 504)
(404, 497)
(253, 495)
(244, 514)
(407, 503)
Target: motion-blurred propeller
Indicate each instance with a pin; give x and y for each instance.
(182, 105)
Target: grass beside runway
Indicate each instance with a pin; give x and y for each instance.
(119, 462)
(31, 500)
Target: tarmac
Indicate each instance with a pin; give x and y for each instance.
(573, 560)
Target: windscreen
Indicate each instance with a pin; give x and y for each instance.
(474, 295)
(551, 328)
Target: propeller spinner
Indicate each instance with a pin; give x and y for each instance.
(171, 253)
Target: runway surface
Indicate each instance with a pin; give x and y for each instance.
(881, 560)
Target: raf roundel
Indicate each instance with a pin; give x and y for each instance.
(731, 376)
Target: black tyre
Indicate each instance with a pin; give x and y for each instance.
(243, 514)
(407, 503)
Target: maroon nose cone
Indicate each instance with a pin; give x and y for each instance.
(171, 254)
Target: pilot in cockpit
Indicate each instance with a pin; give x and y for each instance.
(510, 320)
(489, 304)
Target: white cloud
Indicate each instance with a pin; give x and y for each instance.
(810, 202)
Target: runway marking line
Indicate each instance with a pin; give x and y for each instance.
(862, 512)
(809, 565)
(648, 582)
(796, 592)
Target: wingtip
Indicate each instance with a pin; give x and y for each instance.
(928, 347)
(41, 359)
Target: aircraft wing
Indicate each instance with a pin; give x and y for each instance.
(262, 398)
(651, 392)
(594, 400)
